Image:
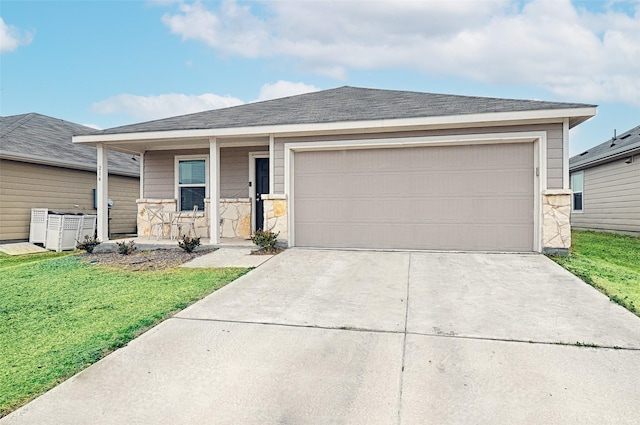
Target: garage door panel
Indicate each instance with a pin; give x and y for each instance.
(505, 211)
(445, 197)
(450, 236)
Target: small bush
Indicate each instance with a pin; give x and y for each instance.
(265, 239)
(188, 243)
(88, 244)
(125, 248)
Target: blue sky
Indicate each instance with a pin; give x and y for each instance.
(110, 63)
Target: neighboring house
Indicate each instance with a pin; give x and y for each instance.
(364, 168)
(606, 185)
(41, 168)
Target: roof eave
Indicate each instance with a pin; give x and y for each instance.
(575, 116)
(603, 160)
(32, 159)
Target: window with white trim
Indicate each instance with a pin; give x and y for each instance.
(577, 186)
(191, 182)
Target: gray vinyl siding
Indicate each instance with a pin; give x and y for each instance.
(159, 169)
(611, 197)
(278, 165)
(554, 156)
(554, 147)
(24, 186)
(234, 170)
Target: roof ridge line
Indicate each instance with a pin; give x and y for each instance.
(26, 118)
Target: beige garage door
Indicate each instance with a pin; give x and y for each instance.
(477, 197)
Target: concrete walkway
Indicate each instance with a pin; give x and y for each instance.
(338, 337)
(228, 257)
(20, 248)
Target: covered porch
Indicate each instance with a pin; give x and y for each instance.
(218, 189)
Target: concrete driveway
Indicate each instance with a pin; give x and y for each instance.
(340, 337)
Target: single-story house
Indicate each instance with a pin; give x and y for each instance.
(362, 168)
(40, 167)
(606, 185)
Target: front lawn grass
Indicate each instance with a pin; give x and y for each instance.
(18, 260)
(59, 314)
(609, 262)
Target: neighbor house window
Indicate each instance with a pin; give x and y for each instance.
(577, 185)
(191, 182)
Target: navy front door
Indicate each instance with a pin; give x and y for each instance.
(262, 188)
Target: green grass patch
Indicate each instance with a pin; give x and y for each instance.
(18, 260)
(60, 315)
(609, 262)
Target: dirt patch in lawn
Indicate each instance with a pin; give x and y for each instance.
(159, 259)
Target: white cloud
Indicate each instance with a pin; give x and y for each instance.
(162, 3)
(173, 104)
(284, 89)
(562, 47)
(238, 31)
(12, 37)
(162, 106)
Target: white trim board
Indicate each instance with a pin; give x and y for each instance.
(454, 121)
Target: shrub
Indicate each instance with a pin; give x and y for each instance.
(125, 248)
(265, 239)
(188, 243)
(88, 244)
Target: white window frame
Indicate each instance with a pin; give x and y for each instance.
(573, 207)
(176, 175)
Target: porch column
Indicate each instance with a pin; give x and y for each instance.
(102, 193)
(272, 164)
(214, 191)
(141, 175)
(565, 153)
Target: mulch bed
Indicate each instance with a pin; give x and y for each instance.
(159, 259)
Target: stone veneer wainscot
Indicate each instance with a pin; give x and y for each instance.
(275, 215)
(556, 227)
(235, 218)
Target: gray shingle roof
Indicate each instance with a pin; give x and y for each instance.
(341, 104)
(624, 143)
(39, 138)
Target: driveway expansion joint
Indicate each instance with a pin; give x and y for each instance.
(577, 344)
(405, 332)
(290, 325)
(404, 340)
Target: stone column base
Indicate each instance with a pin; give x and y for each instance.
(235, 218)
(556, 225)
(275, 215)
